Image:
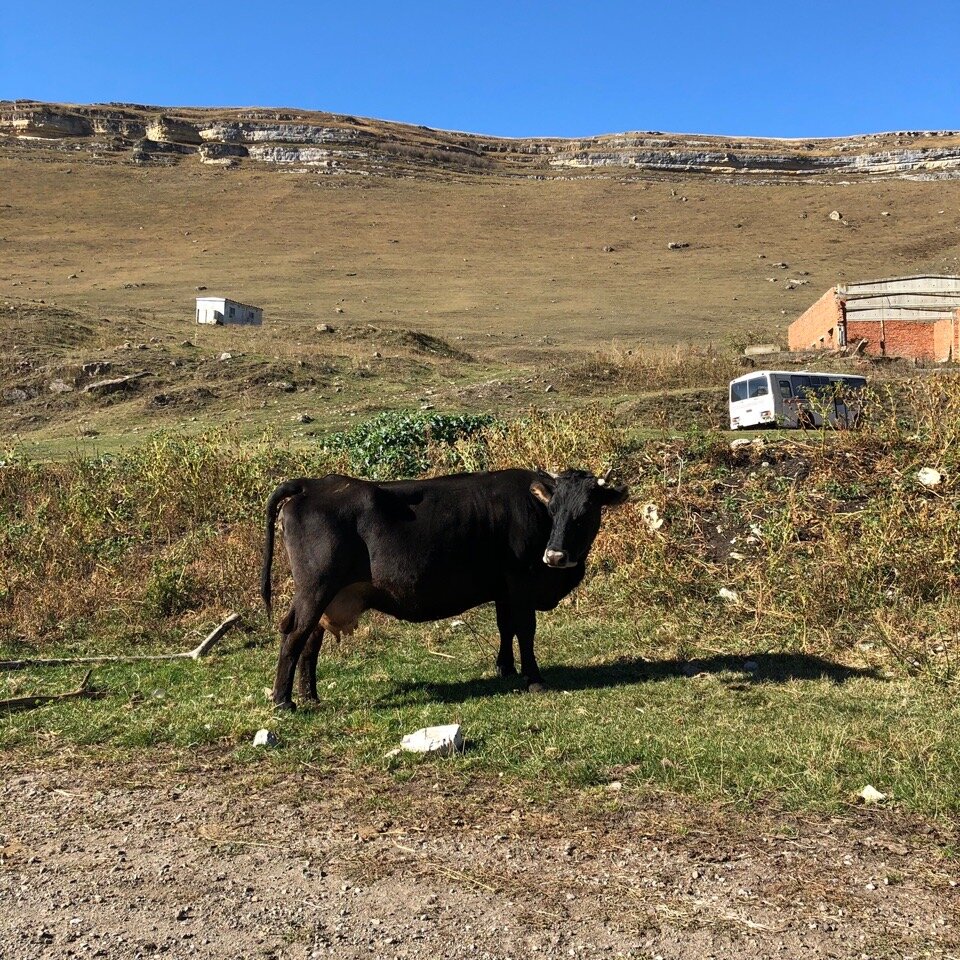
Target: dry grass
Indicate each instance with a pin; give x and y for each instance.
(476, 256)
(827, 538)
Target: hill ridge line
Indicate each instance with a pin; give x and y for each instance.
(342, 144)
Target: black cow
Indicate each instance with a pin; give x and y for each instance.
(428, 549)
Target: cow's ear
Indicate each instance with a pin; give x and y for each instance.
(540, 491)
(611, 495)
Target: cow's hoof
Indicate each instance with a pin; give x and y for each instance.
(537, 686)
(504, 672)
(285, 706)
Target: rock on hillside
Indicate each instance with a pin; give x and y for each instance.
(342, 144)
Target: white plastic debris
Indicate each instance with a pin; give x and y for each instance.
(871, 795)
(456, 624)
(731, 596)
(929, 477)
(740, 443)
(265, 738)
(651, 516)
(444, 740)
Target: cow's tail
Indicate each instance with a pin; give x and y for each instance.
(279, 496)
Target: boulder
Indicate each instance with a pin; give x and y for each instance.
(102, 387)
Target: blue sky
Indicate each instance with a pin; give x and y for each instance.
(754, 67)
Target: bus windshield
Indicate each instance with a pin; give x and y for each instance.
(749, 389)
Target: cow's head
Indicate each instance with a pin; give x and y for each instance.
(575, 500)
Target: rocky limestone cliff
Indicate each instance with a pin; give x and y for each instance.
(343, 144)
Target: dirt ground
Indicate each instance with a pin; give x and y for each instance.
(212, 862)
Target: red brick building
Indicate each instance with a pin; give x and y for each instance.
(916, 317)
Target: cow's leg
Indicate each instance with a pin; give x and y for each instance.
(505, 663)
(307, 666)
(525, 623)
(307, 611)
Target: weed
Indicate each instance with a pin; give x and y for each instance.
(169, 590)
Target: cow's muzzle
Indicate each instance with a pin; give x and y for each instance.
(558, 559)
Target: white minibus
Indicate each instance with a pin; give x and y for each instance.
(785, 398)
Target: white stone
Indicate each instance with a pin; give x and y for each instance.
(871, 795)
(651, 516)
(265, 738)
(929, 477)
(731, 596)
(836, 215)
(444, 740)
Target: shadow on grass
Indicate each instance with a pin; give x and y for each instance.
(769, 668)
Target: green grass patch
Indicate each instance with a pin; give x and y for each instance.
(797, 732)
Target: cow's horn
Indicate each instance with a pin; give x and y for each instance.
(602, 481)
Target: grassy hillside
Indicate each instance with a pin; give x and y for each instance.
(469, 256)
(130, 511)
(523, 280)
(827, 664)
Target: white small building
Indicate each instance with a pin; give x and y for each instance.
(220, 310)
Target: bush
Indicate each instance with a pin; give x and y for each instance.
(170, 591)
(395, 445)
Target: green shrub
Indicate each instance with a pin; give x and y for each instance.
(400, 444)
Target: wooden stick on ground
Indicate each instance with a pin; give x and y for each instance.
(28, 703)
(204, 648)
(195, 654)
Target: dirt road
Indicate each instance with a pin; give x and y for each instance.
(212, 862)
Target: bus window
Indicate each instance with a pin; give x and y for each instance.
(801, 386)
(785, 390)
(757, 387)
(738, 390)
